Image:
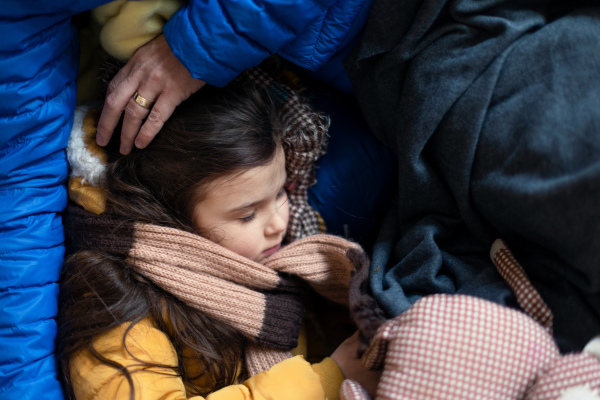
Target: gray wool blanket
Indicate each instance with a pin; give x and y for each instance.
(492, 108)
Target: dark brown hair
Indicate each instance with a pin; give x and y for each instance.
(215, 132)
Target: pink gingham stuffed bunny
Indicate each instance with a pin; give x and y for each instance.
(460, 347)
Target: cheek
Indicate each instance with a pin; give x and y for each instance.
(285, 211)
(213, 234)
(251, 251)
(242, 241)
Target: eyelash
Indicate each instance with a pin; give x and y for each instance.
(249, 217)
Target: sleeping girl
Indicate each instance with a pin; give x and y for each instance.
(186, 278)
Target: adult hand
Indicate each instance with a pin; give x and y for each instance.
(156, 74)
(346, 356)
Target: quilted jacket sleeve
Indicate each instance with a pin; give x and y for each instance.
(217, 39)
(39, 60)
(292, 379)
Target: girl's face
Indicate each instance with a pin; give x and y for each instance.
(247, 212)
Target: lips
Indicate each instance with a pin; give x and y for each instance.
(272, 250)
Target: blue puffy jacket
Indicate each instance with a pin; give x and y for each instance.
(38, 69)
(218, 39)
(215, 39)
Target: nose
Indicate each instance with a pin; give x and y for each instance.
(278, 222)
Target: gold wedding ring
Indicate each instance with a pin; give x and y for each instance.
(142, 101)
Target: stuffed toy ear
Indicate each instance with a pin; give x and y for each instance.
(514, 274)
(378, 355)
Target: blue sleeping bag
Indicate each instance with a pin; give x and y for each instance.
(39, 58)
(356, 178)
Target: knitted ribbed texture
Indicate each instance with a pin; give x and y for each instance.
(321, 261)
(215, 280)
(263, 302)
(261, 358)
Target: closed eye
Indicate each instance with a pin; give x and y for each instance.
(249, 218)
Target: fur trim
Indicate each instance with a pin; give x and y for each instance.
(84, 163)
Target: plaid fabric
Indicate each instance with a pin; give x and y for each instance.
(460, 347)
(573, 370)
(352, 390)
(514, 274)
(304, 142)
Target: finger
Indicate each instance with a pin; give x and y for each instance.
(121, 75)
(111, 112)
(160, 113)
(134, 116)
(114, 104)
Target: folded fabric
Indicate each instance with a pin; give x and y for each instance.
(492, 110)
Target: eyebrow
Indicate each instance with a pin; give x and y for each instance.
(253, 203)
(245, 206)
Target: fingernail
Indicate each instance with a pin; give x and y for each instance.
(100, 141)
(123, 149)
(139, 144)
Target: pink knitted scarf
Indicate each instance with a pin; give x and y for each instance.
(262, 301)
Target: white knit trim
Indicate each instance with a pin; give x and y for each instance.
(83, 163)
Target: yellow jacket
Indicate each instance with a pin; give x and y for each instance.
(291, 379)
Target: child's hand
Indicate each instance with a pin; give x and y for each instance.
(156, 74)
(346, 358)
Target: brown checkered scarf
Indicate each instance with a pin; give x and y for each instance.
(262, 301)
(304, 142)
